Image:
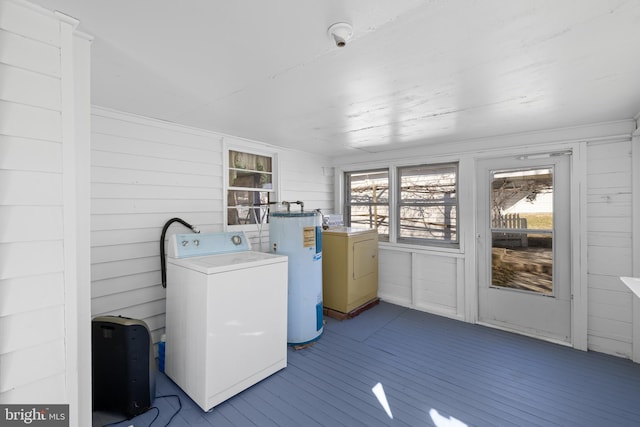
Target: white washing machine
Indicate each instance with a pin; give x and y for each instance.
(226, 316)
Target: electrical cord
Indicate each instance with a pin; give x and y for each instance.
(157, 412)
(174, 414)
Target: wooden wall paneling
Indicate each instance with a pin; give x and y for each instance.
(29, 87)
(30, 223)
(19, 369)
(31, 201)
(141, 264)
(395, 276)
(146, 206)
(100, 254)
(46, 388)
(115, 190)
(21, 259)
(19, 119)
(30, 22)
(435, 282)
(635, 233)
(606, 329)
(609, 213)
(117, 285)
(139, 310)
(29, 54)
(121, 302)
(461, 309)
(114, 174)
(198, 151)
(31, 328)
(151, 163)
(31, 293)
(44, 72)
(609, 261)
(30, 154)
(128, 222)
(611, 304)
(609, 224)
(120, 124)
(30, 188)
(123, 236)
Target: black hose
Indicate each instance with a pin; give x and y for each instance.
(163, 261)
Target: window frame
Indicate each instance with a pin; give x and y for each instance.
(455, 203)
(273, 191)
(347, 199)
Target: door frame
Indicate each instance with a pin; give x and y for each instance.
(542, 315)
(578, 237)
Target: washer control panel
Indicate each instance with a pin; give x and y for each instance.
(194, 244)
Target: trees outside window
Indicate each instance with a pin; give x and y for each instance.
(428, 204)
(250, 188)
(425, 207)
(367, 200)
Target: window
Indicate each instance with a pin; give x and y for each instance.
(250, 188)
(367, 200)
(428, 204)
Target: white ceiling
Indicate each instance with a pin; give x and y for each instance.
(416, 71)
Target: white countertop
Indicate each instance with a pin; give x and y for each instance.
(349, 231)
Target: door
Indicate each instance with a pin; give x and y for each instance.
(524, 245)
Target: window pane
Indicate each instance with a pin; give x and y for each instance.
(368, 187)
(247, 198)
(246, 179)
(371, 217)
(367, 200)
(250, 185)
(428, 184)
(522, 261)
(248, 161)
(246, 215)
(428, 202)
(522, 199)
(429, 222)
(244, 207)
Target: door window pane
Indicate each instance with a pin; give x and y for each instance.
(522, 261)
(522, 230)
(522, 199)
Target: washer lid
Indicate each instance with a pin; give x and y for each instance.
(212, 264)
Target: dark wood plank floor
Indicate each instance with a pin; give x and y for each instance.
(434, 371)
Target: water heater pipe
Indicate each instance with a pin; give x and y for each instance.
(297, 202)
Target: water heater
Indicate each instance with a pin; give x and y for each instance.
(299, 236)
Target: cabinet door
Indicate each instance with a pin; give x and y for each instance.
(365, 258)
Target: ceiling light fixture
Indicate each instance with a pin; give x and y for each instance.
(341, 33)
